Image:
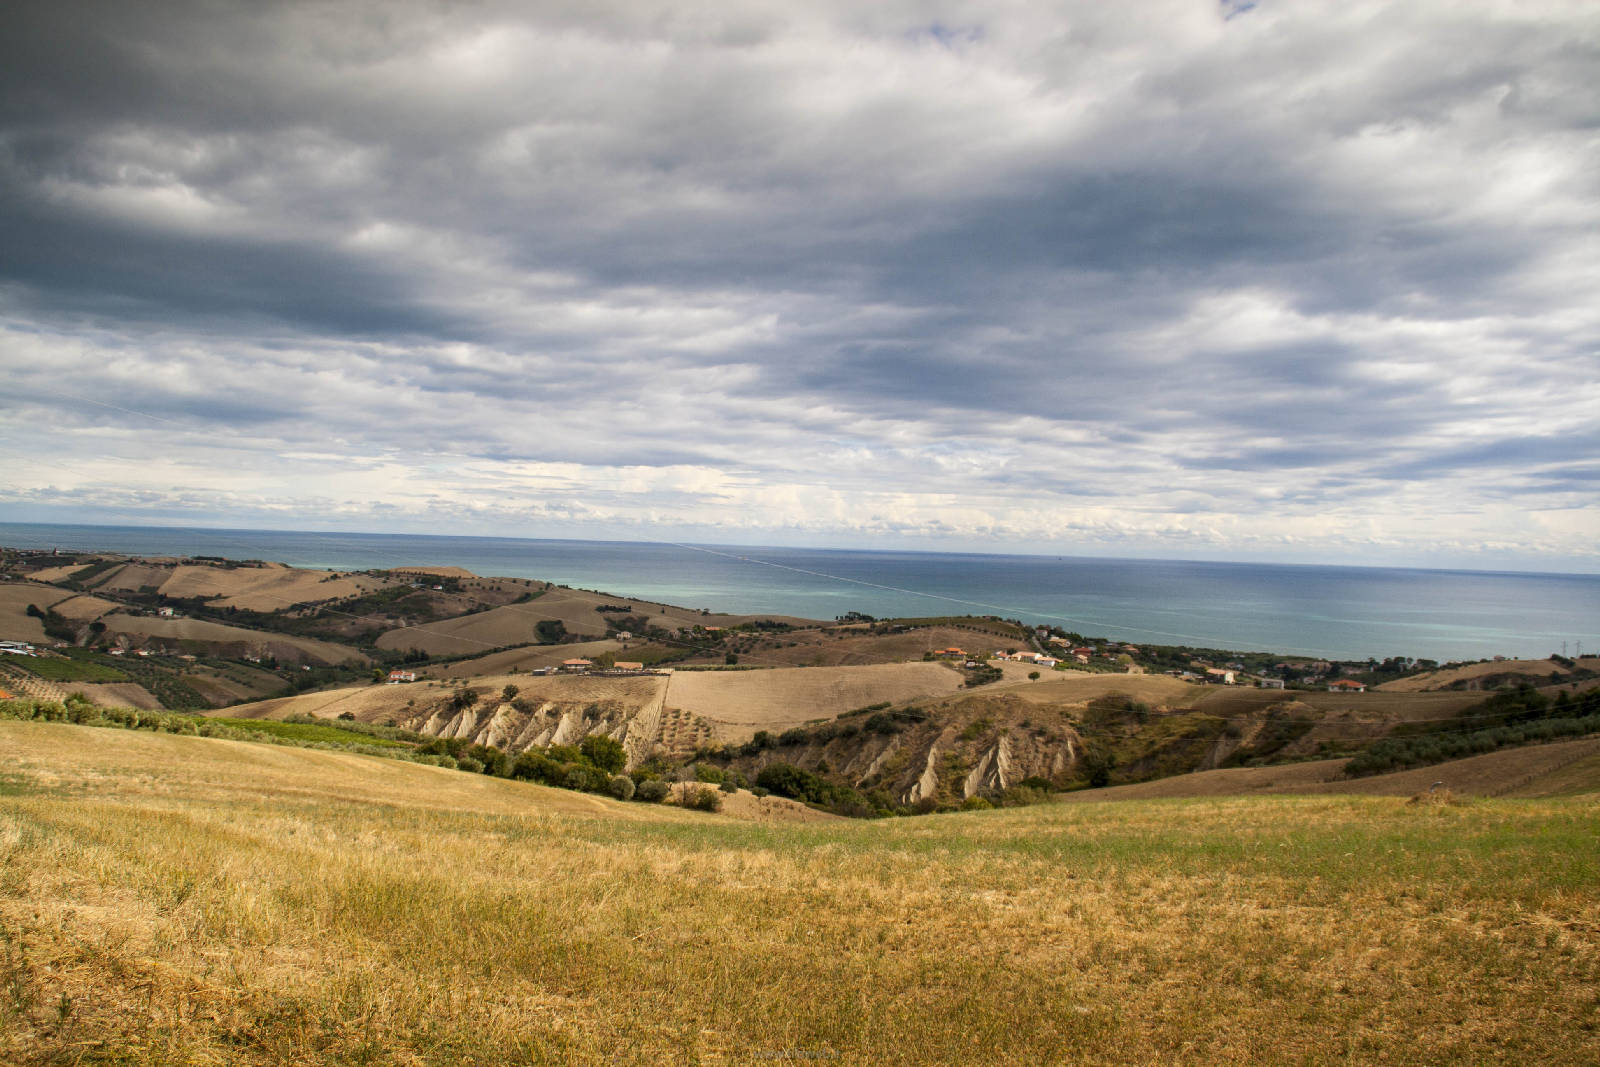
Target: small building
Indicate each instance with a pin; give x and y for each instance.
(576, 666)
(165, 613)
(1219, 676)
(396, 677)
(1269, 683)
(954, 653)
(622, 665)
(1345, 685)
(1046, 661)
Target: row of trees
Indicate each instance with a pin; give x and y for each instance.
(1520, 716)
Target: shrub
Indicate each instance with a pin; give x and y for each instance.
(759, 743)
(1097, 767)
(536, 767)
(604, 752)
(975, 803)
(622, 787)
(728, 786)
(470, 765)
(709, 775)
(653, 791)
(1018, 796)
(702, 798)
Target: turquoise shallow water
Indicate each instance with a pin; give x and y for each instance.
(1337, 612)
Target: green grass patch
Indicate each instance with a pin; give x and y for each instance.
(14, 785)
(68, 670)
(304, 731)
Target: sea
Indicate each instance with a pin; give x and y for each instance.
(1334, 612)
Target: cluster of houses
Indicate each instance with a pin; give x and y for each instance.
(18, 648)
(972, 660)
(1233, 674)
(1035, 658)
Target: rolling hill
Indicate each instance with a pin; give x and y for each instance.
(179, 899)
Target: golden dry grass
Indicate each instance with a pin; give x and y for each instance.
(269, 588)
(524, 659)
(15, 622)
(200, 630)
(1073, 687)
(167, 900)
(742, 702)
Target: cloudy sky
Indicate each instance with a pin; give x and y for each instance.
(1294, 281)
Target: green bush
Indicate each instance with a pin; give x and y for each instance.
(702, 798)
(604, 752)
(653, 791)
(470, 765)
(622, 787)
(1018, 796)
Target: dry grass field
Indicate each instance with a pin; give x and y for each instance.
(1075, 687)
(742, 702)
(269, 588)
(525, 659)
(184, 900)
(15, 622)
(283, 645)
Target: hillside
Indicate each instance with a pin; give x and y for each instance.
(674, 713)
(1495, 673)
(1560, 769)
(950, 725)
(172, 899)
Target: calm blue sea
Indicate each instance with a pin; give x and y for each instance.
(1337, 612)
